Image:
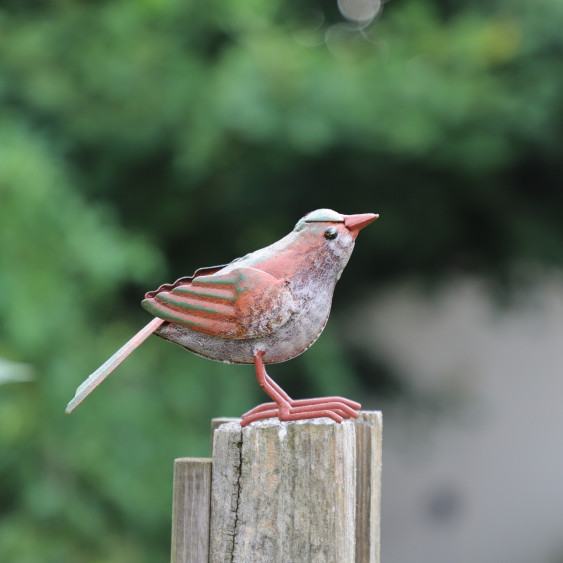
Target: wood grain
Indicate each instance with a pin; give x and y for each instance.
(190, 510)
(284, 492)
(369, 434)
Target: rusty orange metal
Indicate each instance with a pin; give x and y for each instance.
(267, 307)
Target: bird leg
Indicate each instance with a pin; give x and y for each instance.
(286, 408)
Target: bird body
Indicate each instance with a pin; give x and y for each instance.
(276, 299)
(267, 307)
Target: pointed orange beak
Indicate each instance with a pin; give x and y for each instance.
(356, 223)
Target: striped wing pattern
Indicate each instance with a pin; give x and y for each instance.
(244, 303)
(184, 280)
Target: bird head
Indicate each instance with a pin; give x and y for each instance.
(354, 223)
(332, 235)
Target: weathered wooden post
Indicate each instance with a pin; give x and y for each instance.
(283, 492)
(190, 510)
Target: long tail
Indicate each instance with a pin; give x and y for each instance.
(104, 370)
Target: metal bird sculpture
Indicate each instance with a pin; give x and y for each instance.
(267, 307)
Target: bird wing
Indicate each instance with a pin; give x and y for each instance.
(186, 279)
(243, 303)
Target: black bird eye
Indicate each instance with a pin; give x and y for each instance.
(331, 233)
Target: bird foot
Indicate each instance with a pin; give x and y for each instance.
(336, 408)
(286, 408)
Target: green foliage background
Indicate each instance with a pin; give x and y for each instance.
(141, 140)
